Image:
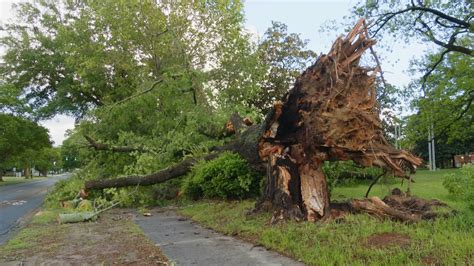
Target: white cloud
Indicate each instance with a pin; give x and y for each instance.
(57, 127)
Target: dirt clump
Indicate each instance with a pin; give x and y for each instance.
(384, 240)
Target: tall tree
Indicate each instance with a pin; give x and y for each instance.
(124, 68)
(446, 104)
(285, 55)
(19, 138)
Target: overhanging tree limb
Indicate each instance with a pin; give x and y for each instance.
(431, 69)
(106, 147)
(386, 17)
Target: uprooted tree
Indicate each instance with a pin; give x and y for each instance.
(330, 114)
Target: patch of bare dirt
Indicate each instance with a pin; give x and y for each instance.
(430, 261)
(387, 239)
(112, 239)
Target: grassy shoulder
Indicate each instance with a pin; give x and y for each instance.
(112, 239)
(11, 180)
(359, 239)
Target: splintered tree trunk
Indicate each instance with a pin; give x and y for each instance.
(329, 114)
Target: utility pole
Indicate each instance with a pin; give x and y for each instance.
(431, 148)
(397, 134)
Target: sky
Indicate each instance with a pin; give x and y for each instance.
(304, 17)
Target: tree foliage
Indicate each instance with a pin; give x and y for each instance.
(446, 105)
(21, 141)
(285, 56)
(161, 78)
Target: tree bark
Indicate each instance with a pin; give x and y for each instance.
(27, 171)
(155, 178)
(329, 114)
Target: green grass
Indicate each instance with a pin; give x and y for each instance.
(11, 180)
(446, 241)
(428, 184)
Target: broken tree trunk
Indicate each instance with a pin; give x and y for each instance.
(329, 114)
(155, 178)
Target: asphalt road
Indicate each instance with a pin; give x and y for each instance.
(16, 201)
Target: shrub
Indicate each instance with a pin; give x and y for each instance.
(461, 184)
(66, 189)
(228, 177)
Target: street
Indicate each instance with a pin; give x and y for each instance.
(18, 200)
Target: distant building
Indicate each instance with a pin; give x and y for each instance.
(460, 160)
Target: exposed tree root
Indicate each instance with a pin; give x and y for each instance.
(396, 206)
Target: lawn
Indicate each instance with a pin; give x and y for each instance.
(359, 239)
(428, 184)
(11, 180)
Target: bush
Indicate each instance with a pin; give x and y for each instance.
(227, 177)
(66, 189)
(461, 184)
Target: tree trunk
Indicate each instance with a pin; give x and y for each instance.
(159, 177)
(329, 114)
(1, 175)
(27, 171)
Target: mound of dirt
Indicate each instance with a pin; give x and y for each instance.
(413, 205)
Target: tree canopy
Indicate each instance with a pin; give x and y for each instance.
(20, 141)
(150, 83)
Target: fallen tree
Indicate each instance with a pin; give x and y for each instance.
(330, 114)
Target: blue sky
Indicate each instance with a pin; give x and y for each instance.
(307, 17)
(303, 17)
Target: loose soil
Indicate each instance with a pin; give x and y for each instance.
(388, 239)
(112, 239)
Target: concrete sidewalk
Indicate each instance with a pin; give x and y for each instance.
(186, 243)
